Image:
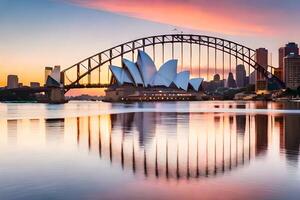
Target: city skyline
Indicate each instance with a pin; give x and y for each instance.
(59, 37)
(192, 99)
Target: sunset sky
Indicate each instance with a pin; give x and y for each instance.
(39, 33)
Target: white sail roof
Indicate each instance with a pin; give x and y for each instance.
(166, 74)
(126, 76)
(182, 80)
(144, 73)
(134, 71)
(196, 83)
(122, 76)
(146, 67)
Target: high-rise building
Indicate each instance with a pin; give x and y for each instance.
(48, 71)
(292, 71)
(281, 55)
(240, 75)
(262, 60)
(12, 81)
(230, 81)
(289, 49)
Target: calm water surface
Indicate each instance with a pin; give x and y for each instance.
(184, 150)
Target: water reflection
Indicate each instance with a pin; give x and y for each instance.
(168, 145)
(12, 131)
(292, 137)
(54, 130)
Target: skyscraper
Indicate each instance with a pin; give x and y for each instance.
(48, 71)
(281, 55)
(289, 49)
(240, 75)
(292, 71)
(279, 71)
(12, 81)
(230, 81)
(262, 60)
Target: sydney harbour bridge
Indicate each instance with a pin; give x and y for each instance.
(204, 56)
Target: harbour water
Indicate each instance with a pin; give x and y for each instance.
(176, 150)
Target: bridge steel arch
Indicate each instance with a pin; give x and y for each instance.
(240, 52)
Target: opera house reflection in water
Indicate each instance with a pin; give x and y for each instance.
(171, 145)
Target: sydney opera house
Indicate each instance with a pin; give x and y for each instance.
(141, 81)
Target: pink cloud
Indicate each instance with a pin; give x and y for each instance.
(227, 17)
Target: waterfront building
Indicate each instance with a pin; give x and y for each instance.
(213, 85)
(141, 81)
(261, 85)
(290, 49)
(48, 71)
(292, 71)
(217, 82)
(261, 59)
(34, 84)
(279, 71)
(240, 76)
(230, 81)
(217, 77)
(12, 81)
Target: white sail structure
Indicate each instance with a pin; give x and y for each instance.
(166, 74)
(144, 73)
(196, 83)
(134, 72)
(126, 76)
(122, 76)
(146, 67)
(182, 80)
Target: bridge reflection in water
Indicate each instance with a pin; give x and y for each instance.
(165, 145)
(178, 145)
